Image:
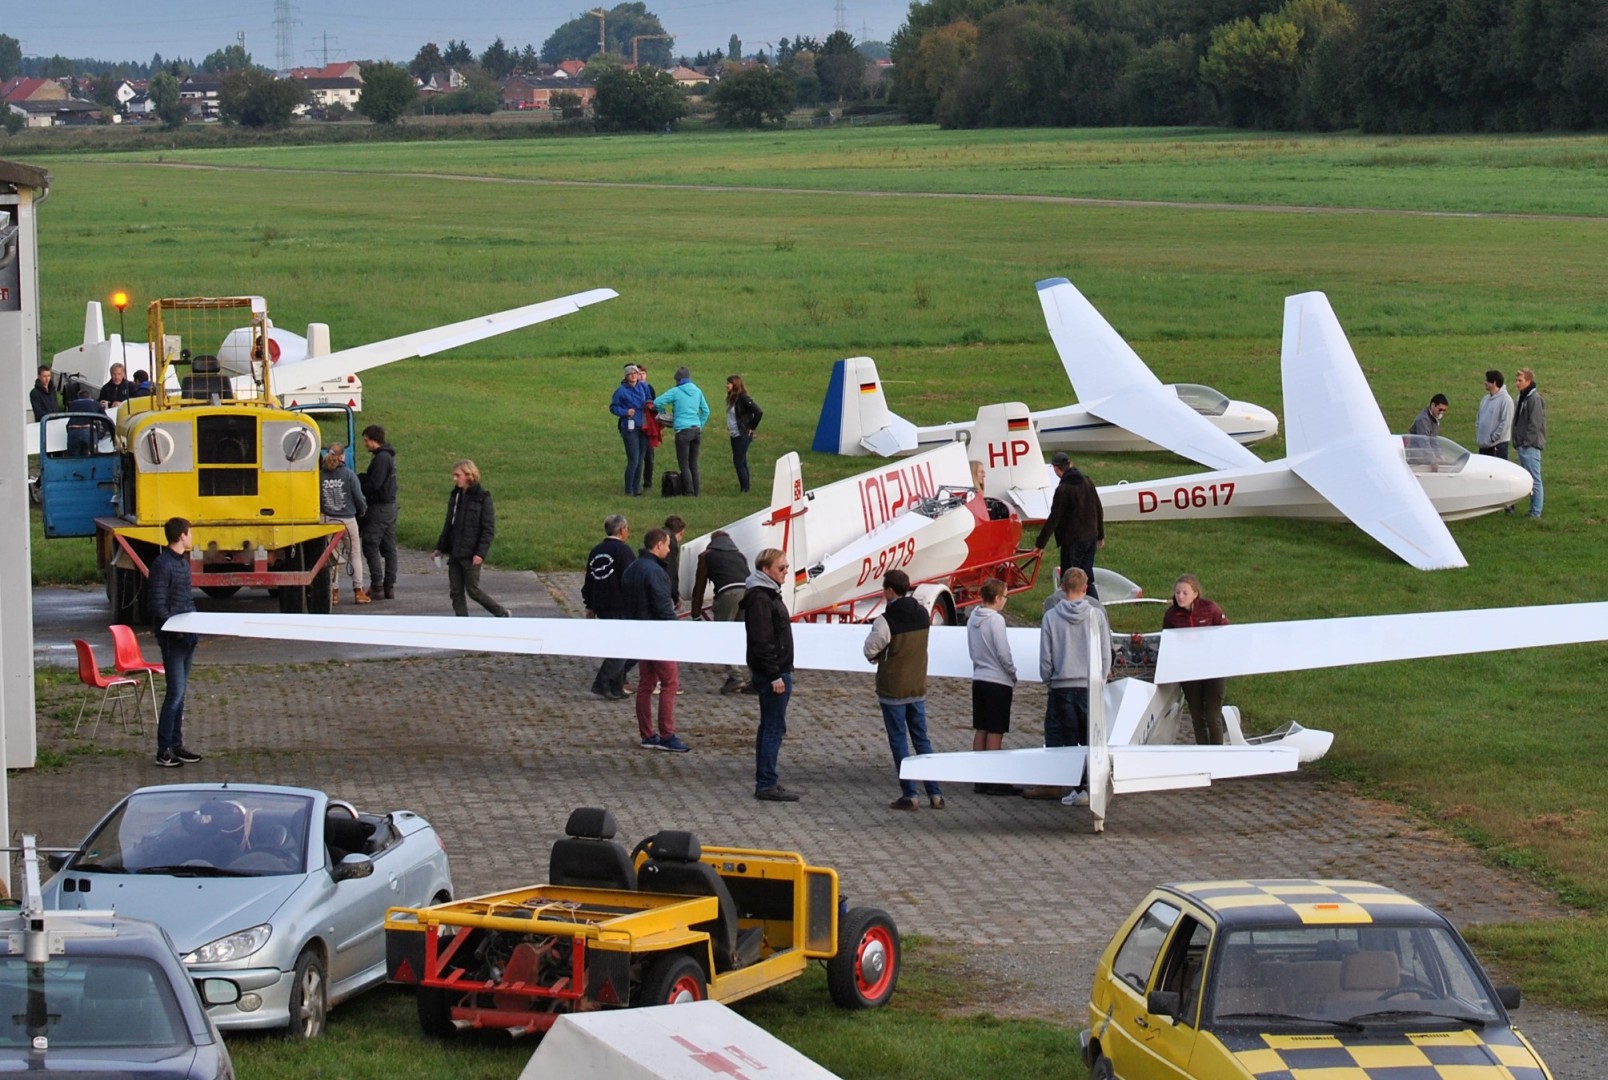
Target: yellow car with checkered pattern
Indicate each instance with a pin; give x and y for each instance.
(1292, 979)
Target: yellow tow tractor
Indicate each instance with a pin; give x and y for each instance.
(218, 450)
(671, 922)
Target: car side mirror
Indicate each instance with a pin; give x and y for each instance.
(352, 867)
(218, 991)
(1164, 1003)
(1509, 996)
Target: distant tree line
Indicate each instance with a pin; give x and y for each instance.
(1382, 65)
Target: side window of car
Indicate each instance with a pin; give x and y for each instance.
(1137, 957)
(1183, 963)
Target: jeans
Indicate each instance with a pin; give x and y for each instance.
(463, 576)
(1066, 720)
(772, 729)
(178, 651)
(633, 460)
(689, 441)
(1205, 700)
(666, 675)
(379, 543)
(1530, 458)
(739, 459)
(1080, 553)
(911, 716)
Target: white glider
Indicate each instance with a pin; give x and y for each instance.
(1121, 404)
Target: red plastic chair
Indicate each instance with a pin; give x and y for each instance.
(89, 674)
(129, 660)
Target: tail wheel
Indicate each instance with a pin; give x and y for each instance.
(865, 970)
(674, 980)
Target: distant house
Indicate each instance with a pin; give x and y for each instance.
(325, 92)
(341, 69)
(27, 89)
(570, 69)
(689, 77)
(64, 112)
(442, 82)
(526, 92)
(200, 91)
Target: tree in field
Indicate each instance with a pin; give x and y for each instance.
(932, 68)
(841, 68)
(164, 94)
(577, 38)
(529, 58)
(645, 99)
(389, 92)
(427, 61)
(254, 98)
(1252, 67)
(10, 57)
(58, 67)
(12, 122)
(748, 98)
(106, 95)
(457, 53)
(230, 58)
(734, 47)
(566, 105)
(497, 60)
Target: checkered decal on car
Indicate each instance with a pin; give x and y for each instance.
(1452, 1055)
(1311, 901)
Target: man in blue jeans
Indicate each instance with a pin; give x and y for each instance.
(897, 645)
(770, 666)
(169, 590)
(1530, 432)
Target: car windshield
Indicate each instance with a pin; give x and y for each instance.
(1370, 974)
(1433, 454)
(1203, 399)
(201, 833)
(89, 1001)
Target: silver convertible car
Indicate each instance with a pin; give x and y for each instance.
(281, 890)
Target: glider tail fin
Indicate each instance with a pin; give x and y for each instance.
(785, 528)
(855, 419)
(94, 325)
(1005, 440)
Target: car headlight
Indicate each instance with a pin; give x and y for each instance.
(234, 947)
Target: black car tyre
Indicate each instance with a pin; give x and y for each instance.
(1102, 1070)
(309, 996)
(865, 970)
(674, 980)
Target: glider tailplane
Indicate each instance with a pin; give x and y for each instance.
(1006, 441)
(855, 419)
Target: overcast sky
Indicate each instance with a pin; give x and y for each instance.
(394, 29)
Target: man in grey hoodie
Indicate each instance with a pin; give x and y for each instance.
(1064, 667)
(341, 500)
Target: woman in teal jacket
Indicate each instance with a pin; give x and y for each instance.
(691, 413)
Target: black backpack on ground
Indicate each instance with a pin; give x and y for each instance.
(670, 484)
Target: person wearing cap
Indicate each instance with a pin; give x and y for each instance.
(629, 403)
(691, 414)
(1077, 521)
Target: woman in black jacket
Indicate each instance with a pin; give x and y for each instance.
(742, 419)
(466, 539)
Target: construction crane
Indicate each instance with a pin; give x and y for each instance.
(647, 37)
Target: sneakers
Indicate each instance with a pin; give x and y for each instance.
(1076, 798)
(731, 685)
(610, 695)
(679, 690)
(362, 596)
(168, 760)
(674, 745)
(185, 756)
(651, 743)
(776, 794)
(904, 802)
(935, 801)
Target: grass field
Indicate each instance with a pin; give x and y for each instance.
(1505, 749)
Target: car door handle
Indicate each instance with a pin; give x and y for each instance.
(1140, 1021)
(396, 885)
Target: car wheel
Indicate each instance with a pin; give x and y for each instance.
(1102, 1069)
(865, 970)
(674, 980)
(309, 997)
(435, 1012)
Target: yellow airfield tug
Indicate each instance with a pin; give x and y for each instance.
(210, 443)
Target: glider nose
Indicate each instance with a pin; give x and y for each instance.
(1252, 422)
(1509, 478)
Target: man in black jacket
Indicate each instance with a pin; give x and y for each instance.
(770, 665)
(466, 539)
(603, 593)
(169, 589)
(725, 569)
(1077, 520)
(378, 527)
(42, 399)
(647, 592)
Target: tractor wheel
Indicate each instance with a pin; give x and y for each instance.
(292, 598)
(220, 592)
(865, 970)
(319, 593)
(435, 1012)
(309, 997)
(673, 980)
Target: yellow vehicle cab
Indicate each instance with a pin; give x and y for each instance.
(1283, 979)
